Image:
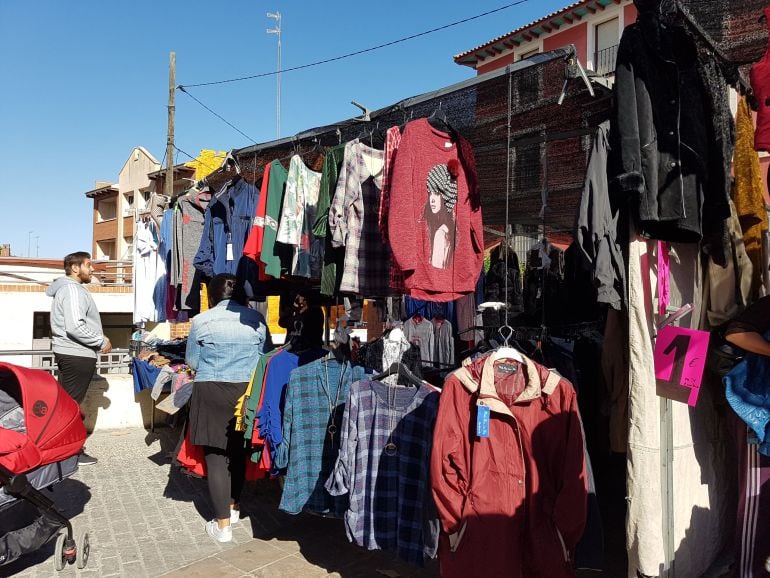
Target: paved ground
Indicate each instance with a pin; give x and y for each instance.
(145, 518)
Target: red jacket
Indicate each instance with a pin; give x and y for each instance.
(436, 239)
(512, 504)
(760, 85)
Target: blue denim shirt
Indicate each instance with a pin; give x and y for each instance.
(226, 341)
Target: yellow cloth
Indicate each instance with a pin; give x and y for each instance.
(748, 192)
(204, 298)
(240, 407)
(206, 163)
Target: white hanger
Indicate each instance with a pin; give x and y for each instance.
(506, 351)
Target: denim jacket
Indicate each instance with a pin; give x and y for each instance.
(226, 341)
(227, 221)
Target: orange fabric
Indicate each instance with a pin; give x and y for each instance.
(748, 193)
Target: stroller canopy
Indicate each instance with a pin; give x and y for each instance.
(52, 429)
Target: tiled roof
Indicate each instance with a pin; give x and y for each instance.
(544, 25)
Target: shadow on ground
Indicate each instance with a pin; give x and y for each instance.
(70, 497)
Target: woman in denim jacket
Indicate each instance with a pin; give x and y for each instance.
(223, 348)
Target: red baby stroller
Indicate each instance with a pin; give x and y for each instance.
(41, 435)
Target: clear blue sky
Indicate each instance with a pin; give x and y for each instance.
(85, 81)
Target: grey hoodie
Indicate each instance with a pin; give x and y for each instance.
(75, 323)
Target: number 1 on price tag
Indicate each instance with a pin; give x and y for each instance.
(680, 357)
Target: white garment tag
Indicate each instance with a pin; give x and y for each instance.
(229, 252)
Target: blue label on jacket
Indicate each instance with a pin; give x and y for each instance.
(482, 421)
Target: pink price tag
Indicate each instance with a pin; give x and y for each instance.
(680, 357)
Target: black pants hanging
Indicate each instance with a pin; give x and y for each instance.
(75, 374)
(226, 473)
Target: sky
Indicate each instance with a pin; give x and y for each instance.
(86, 81)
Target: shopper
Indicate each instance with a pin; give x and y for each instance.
(76, 329)
(223, 348)
(748, 329)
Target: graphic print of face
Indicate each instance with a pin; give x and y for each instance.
(435, 201)
(442, 190)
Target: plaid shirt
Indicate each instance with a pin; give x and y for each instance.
(306, 449)
(353, 222)
(392, 140)
(391, 507)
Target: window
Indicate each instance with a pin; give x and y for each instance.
(41, 325)
(530, 53)
(527, 168)
(106, 209)
(606, 38)
(105, 249)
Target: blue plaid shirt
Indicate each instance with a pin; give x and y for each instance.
(391, 506)
(307, 450)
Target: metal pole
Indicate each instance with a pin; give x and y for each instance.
(169, 183)
(37, 245)
(277, 31)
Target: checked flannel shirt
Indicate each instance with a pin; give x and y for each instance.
(353, 222)
(306, 450)
(391, 506)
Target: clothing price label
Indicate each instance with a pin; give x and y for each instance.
(680, 357)
(230, 252)
(482, 421)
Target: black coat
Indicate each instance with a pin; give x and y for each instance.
(668, 161)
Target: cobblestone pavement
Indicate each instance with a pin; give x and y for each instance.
(145, 518)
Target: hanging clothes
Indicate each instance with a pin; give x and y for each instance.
(166, 248)
(434, 217)
(254, 243)
(334, 257)
(495, 280)
(226, 227)
(727, 289)
(597, 227)
(515, 498)
(149, 275)
(760, 86)
(443, 338)
(384, 467)
(353, 222)
(419, 331)
(315, 401)
(269, 416)
(189, 219)
(749, 195)
(271, 256)
(392, 140)
(669, 130)
(300, 205)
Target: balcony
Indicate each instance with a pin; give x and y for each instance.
(604, 61)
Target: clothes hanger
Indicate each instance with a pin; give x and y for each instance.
(507, 351)
(438, 120)
(398, 368)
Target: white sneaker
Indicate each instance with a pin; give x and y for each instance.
(223, 535)
(235, 516)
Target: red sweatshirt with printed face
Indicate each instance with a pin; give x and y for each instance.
(434, 217)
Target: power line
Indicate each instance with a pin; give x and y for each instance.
(232, 126)
(365, 50)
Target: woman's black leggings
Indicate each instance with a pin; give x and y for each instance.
(226, 472)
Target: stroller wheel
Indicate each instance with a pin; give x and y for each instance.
(59, 560)
(84, 549)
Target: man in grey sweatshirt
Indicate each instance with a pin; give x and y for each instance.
(76, 329)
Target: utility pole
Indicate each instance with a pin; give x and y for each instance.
(277, 31)
(37, 245)
(169, 183)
